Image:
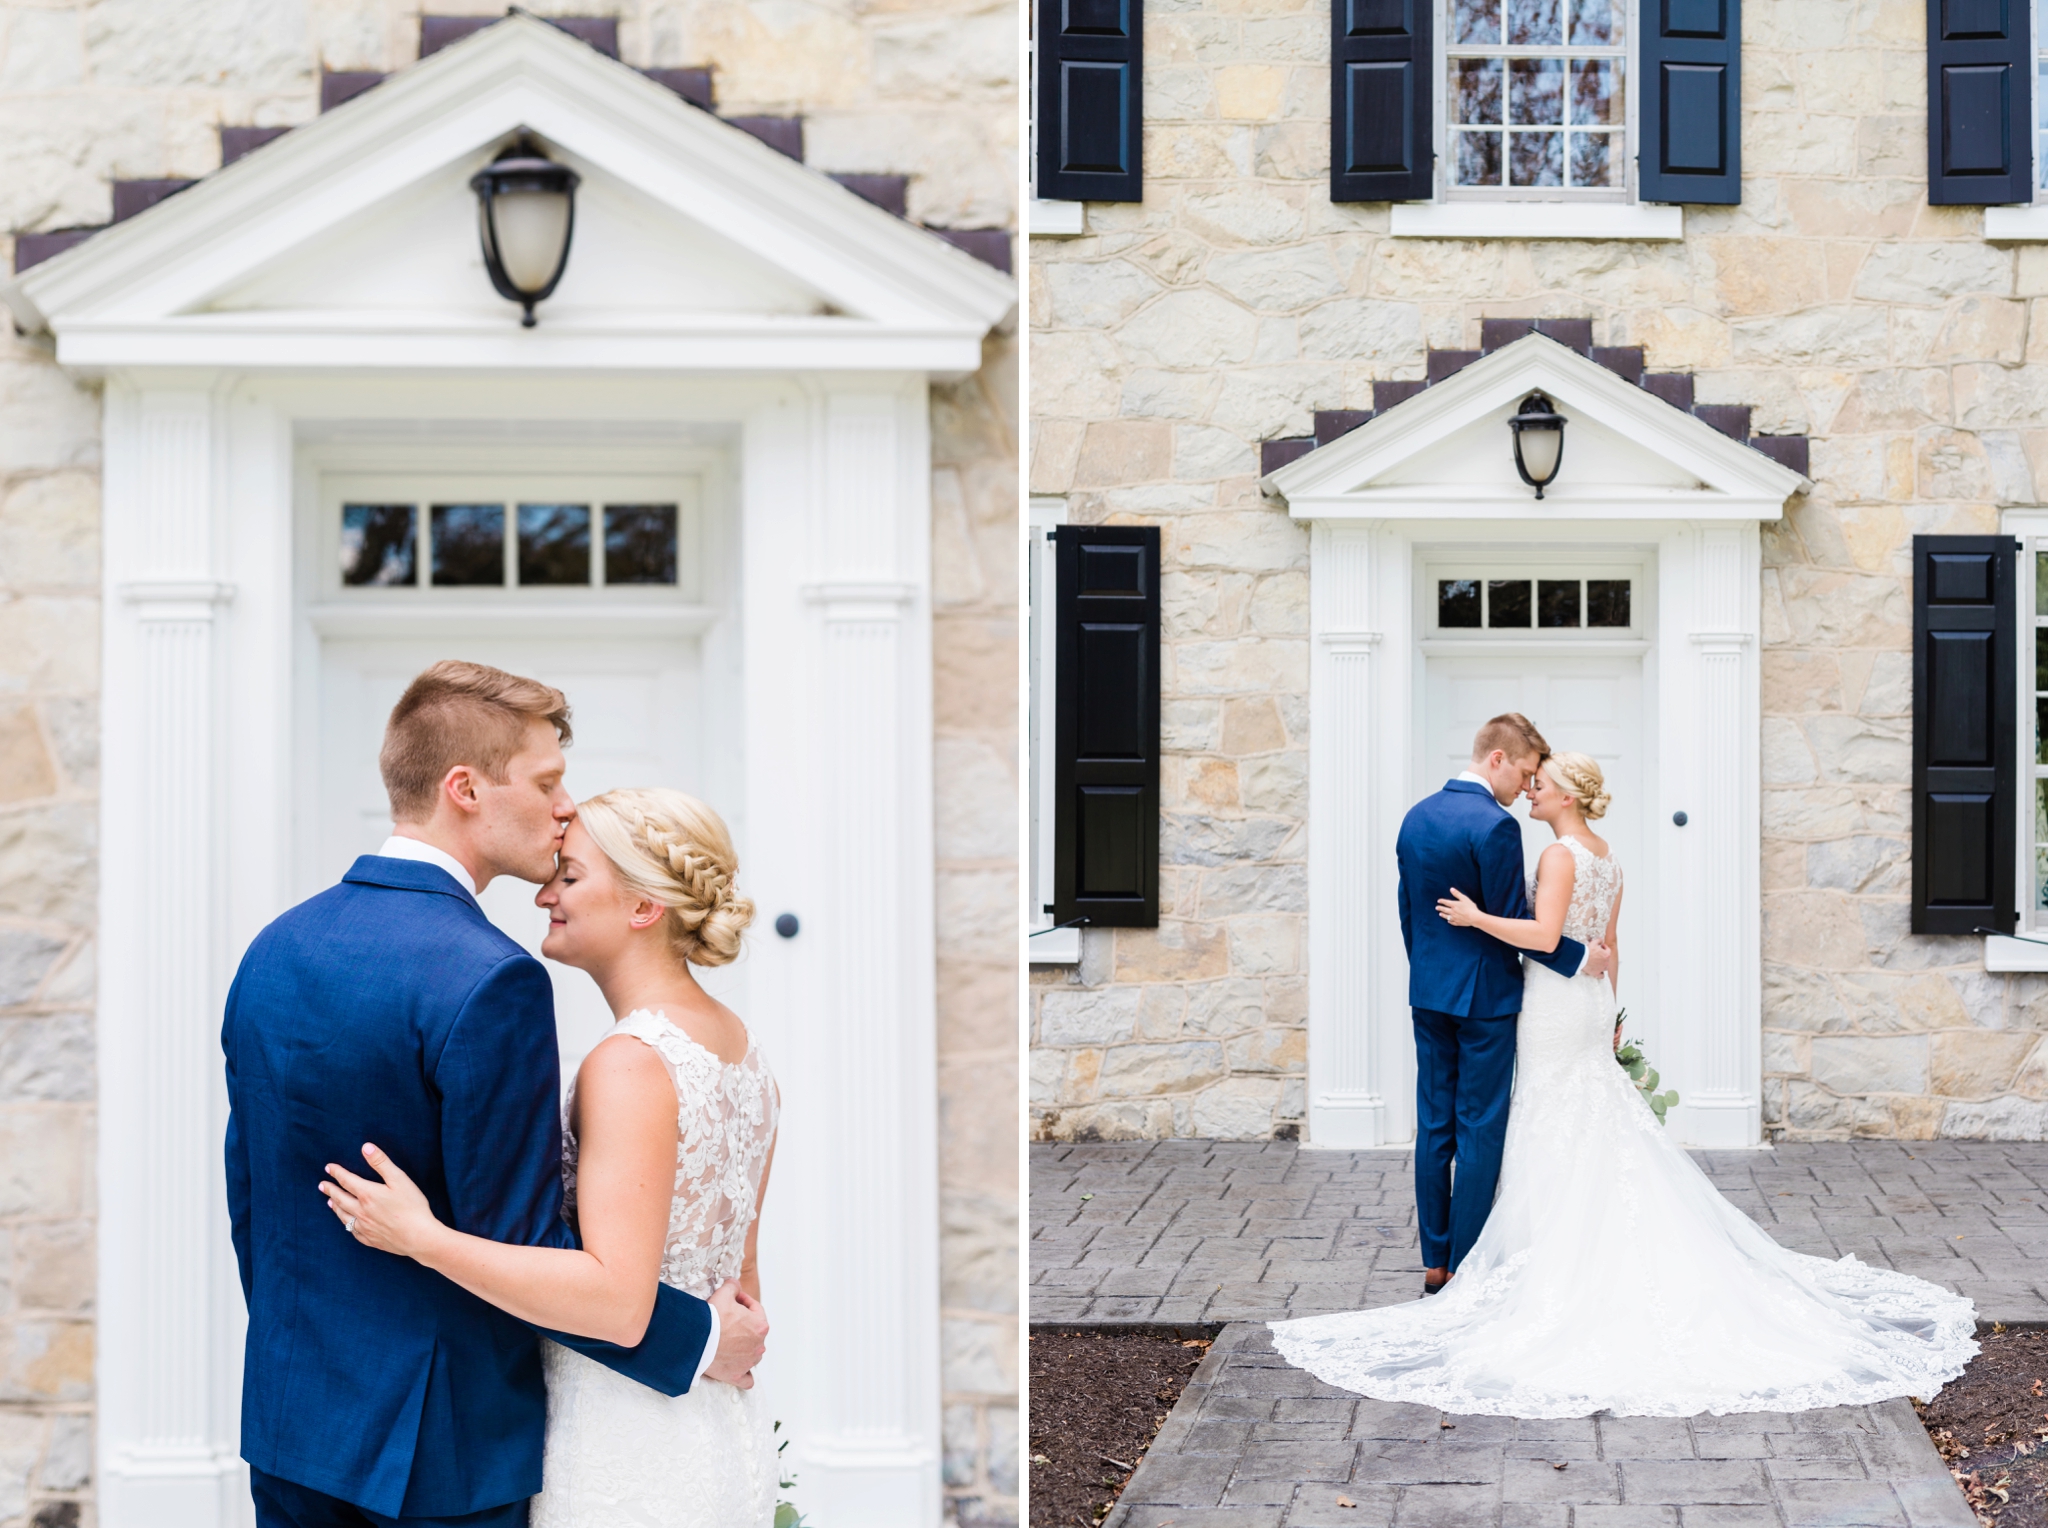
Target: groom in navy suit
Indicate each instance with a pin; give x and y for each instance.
(389, 1008)
(1465, 987)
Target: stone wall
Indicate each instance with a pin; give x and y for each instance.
(1178, 333)
(136, 89)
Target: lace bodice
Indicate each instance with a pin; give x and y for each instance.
(1596, 884)
(726, 1115)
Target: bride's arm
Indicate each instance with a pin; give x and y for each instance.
(1610, 939)
(625, 1178)
(1556, 871)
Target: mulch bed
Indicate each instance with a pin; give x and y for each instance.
(1991, 1427)
(1097, 1401)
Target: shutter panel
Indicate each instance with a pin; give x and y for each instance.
(1979, 102)
(1690, 68)
(1382, 101)
(1090, 106)
(1106, 727)
(1965, 744)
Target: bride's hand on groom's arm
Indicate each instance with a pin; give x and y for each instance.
(392, 1216)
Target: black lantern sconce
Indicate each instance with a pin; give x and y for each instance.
(526, 216)
(1539, 441)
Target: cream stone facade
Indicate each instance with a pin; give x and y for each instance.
(94, 93)
(1174, 336)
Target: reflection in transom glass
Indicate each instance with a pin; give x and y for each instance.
(379, 545)
(468, 544)
(639, 543)
(554, 543)
(1551, 604)
(1559, 122)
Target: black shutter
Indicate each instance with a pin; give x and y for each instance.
(1106, 727)
(1690, 107)
(1091, 65)
(1382, 101)
(1965, 752)
(1979, 102)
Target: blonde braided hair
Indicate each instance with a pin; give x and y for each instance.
(674, 850)
(1580, 778)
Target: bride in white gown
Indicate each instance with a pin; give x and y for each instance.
(1611, 1275)
(673, 1117)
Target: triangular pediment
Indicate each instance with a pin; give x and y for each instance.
(1447, 453)
(696, 245)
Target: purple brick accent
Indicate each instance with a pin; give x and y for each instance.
(693, 85)
(1331, 423)
(785, 135)
(991, 246)
(1448, 363)
(133, 196)
(238, 141)
(1786, 450)
(1572, 333)
(1496, 332)
(35, 248)
(1386, 394)
(437, 32)
(339, 86)
(1731, 419)
(601, 32)
(1674, 387)
(1275, 454)
(1625, 361)
(886, 191)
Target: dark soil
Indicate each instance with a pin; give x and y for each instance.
(1991, 1427)
(1097, 1400)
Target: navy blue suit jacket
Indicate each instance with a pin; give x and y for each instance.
(390, 1009)
(1462, 837)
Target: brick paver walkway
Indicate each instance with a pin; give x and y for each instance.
(1185, 1232)
(1206, 1231)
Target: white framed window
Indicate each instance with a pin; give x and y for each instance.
(1042, 218)
(1469, 600)
(1535, 100)
(1535, 125)
(1048, 946)
(2030, 527)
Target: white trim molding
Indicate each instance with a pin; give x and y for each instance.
(2016, 225)
(1536, 220)
(1673, 494)
(1055, 220)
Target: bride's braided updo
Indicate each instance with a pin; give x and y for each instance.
(674, 850)
(1581, 779)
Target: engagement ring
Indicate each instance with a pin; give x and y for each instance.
(349, 1225)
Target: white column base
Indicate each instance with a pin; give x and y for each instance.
(1341, 1122)
(872, 1488)
(1717, 1124)
(174, 1489)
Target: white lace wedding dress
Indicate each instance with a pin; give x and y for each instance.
(620, 1455)
(1612, 1275)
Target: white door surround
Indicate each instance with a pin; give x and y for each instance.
(242, 358)
(1434, 478)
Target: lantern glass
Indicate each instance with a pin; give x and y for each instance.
(1541, 445)
(531, 228)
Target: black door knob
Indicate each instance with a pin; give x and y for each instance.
(786, 925)
(1678, 819)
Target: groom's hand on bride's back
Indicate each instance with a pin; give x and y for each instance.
(1599, 960)
(742, 1335)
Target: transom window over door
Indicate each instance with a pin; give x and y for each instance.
(1537, 104)
(1559, 601)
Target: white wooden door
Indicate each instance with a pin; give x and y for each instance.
(637, 719)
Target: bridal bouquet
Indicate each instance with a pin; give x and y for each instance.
(1630, 1055)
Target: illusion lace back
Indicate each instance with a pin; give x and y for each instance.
(1612, 1275)
(620, 1455)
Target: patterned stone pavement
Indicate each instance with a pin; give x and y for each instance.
(1215, 1231)
(1186, 1232)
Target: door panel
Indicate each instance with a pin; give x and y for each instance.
(634, 709)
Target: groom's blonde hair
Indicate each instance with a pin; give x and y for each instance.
(460, 713)
(1514, 735)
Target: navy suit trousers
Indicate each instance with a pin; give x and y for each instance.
(281, 1504)
(1464, 1072)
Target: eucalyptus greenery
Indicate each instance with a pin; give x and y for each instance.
(786, 1514)
(1630, 1055)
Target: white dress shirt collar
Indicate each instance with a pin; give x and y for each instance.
(396, 847)
(1476, 779)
